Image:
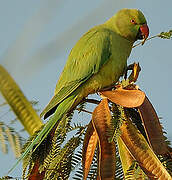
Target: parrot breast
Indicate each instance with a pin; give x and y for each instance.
(110, 72)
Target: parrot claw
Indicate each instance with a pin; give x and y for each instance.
(135, 67)
(129, 68)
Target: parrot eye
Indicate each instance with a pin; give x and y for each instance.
(133, 21)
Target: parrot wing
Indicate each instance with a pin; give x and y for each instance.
(86, 58)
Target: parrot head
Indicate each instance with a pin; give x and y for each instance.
(131, 24)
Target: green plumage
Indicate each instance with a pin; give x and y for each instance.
(87, 69)
(97, 61)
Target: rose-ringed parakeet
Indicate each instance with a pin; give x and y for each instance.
(97, 61)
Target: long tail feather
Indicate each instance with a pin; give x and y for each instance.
(62, 109)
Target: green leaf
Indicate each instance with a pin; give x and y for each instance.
(165, 35)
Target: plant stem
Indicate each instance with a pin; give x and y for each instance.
(83, 110)
(146, 40)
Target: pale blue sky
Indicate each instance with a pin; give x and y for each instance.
(36, 38)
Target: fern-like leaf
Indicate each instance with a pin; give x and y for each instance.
(62, 163)
(135, 172)
(2, 140)
(117, 119)
(10, 136)
(119, 168)
(18, 102)
(165, 35)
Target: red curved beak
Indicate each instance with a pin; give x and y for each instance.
(145, 32)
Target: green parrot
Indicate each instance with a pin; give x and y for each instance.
(97, 61)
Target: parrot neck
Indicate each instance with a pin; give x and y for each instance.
(110, 24)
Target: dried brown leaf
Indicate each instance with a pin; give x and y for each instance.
(153, 128)
(125, 156)
(127, 161)
(141, 151)
(125, 98)
(35, 174)
(107, 151)
(89, 147)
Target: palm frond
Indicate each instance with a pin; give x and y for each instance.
(135, 172)
(116, 122)
(93, 173)
(28, 160)
(61, 165)
(55, 146)
(8, 136)
(119, 171)
(2, 140)
(18, 102)
(53, 156)
(77, 158)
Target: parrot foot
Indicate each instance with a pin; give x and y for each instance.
(135, 67)
(130, 67)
